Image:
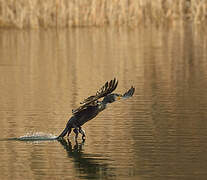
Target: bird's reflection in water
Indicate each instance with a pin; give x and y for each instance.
(89, 166)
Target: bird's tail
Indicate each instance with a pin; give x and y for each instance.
(68, 127)
(64, 132)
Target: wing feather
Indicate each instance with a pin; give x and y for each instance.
(103, 91)
(106, 89)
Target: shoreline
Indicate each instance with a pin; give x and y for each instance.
(86, 13)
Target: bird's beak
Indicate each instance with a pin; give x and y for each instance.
(119, 97)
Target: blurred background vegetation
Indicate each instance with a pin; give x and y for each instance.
(76, 13)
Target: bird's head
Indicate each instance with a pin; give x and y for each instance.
(111, 98)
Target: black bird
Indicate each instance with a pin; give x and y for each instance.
(91, 107)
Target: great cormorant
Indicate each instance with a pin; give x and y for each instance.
(91, 107)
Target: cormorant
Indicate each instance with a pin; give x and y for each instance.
(91, 107)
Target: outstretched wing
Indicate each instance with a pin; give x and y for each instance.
(108, 88)
(129, 93)
(126, 95)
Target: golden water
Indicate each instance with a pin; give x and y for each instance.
(160, 133)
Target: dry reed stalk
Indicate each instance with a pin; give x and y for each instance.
(64, 13)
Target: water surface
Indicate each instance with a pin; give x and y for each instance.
(160, 133)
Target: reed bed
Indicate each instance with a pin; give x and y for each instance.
(75, 13)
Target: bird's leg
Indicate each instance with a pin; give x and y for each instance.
(83, 133)
(75, 130)
(69, 131)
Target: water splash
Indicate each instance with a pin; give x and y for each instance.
(37, 136)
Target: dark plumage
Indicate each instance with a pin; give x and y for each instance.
(91, 107)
